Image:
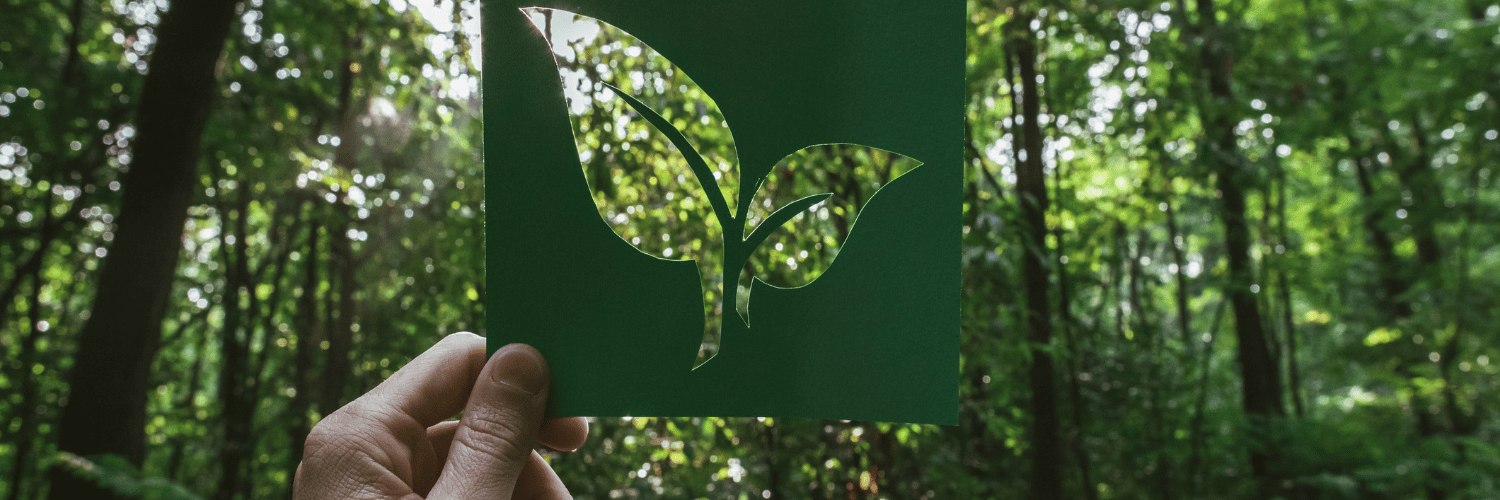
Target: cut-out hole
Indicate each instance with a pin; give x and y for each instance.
(661, 163)
(641, 184)
(805, 247)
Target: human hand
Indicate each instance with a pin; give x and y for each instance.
(394, 442)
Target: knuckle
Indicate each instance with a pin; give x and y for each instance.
(343, 432)
(498, 435)
(323, 434)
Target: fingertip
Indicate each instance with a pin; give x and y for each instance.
(462, 337)
(474, 347)
(463, 340)
(519, 366)
(564, 434)
(539, 482)
(441, 437)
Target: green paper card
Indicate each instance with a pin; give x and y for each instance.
(713, 208)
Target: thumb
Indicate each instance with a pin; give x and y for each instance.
(498, 430)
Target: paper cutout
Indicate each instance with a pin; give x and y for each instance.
(749, 228)
(874, 337)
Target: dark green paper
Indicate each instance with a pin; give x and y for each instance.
(875, 337)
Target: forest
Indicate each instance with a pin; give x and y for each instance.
(1211, 248)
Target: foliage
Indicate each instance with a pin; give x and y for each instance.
(118, 475)
(342, 162)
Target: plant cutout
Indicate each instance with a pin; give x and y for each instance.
(640, 185)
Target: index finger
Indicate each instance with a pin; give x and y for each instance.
(436, 385)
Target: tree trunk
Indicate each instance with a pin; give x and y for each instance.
(1140, 300)
(26, 435)
(1118, 253)
(1263, 278)
(340, 332)
(304, 371)
(1031, 192)
(179, 449)
(1261, 394)
(1419, 179)
(1461, 423)
(106, 410)
(1416, 179)
(1288, 325)
(1198, 440)
(256, 370)
(773, 463)
(1393, 283)
(237, 411)
(1178, 244)
(1065, 311)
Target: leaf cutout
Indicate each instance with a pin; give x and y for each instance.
(695, 161)
(643, 128)
(641, 185)
(805, 247)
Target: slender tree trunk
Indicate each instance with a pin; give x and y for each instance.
(26, 436)
(1031, 192)
(233, 351)
(975, 450)
(1393, 282)
(1288, 325)
(1294, 385)
(106, 411)
(1271, 260)
(1142, 331)
(1198, 438)
(1117, 270)
(70, 60)
(1065, 311)
(1133, 289)
(772, 461)
(1261, 394)
(256, 370)
(1462, 425)
(1140, 298)
(1178, 244)
(1420, 180)
(304, 370)
(1417, 181)
(185, 409)
(340, 334)
(1265, 300)
(179, 449)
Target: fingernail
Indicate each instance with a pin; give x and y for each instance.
(520, 366)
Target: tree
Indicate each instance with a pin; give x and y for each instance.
(107, 402)
(1261, 395)
(1031, 193)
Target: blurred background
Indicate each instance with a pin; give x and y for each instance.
(1212, 249)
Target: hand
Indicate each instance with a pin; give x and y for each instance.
(394, 442)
